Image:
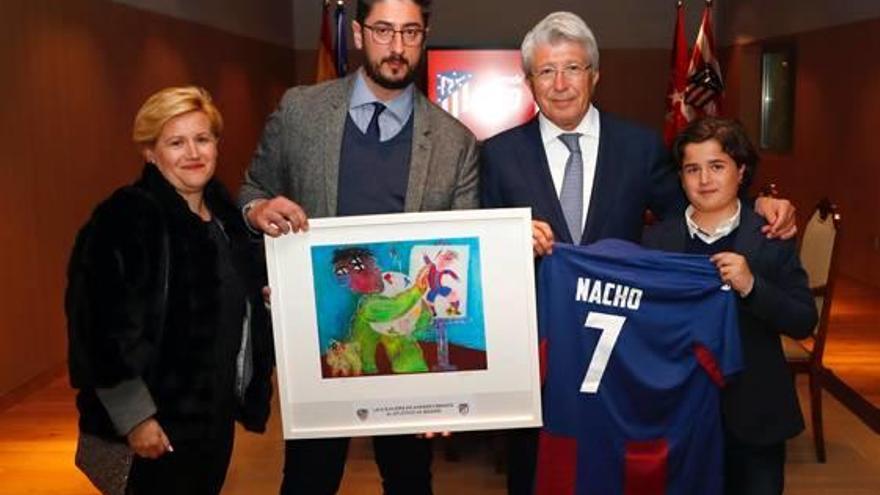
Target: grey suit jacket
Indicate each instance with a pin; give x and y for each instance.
(298, 154)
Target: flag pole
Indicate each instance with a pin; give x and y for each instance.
(341, 46)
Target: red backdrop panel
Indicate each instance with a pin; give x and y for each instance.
(484, 89)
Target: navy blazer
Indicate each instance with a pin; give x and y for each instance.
(633, 173)
(760, 405)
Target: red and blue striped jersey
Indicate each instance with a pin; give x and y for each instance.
(635, 344)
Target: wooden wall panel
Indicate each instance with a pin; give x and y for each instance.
(837, 115)
(632, 84)
(74, 74)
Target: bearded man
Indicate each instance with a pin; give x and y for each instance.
(368, 143)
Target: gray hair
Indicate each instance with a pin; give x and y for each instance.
(555, 28)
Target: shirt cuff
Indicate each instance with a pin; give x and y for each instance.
(746, 293)
(244, 213)
(128, 404)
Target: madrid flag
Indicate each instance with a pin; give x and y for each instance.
(705, 87)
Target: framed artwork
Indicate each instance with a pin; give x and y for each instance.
(406, 323)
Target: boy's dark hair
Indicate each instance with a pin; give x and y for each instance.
(364, 7)
(729, 134)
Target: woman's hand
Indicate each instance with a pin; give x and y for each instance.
(148, 439)
(734, 271)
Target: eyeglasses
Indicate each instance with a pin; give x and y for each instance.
(570, 72)
(384, 34)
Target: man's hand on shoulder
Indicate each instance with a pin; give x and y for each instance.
(780, 217)
(277, 216)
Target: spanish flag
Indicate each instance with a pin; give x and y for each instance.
(326, 66)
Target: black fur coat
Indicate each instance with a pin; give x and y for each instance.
(121, 331)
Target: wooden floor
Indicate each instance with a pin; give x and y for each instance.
(852, 350)
(37, 435)
(37, 440)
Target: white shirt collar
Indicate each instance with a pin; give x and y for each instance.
(401, 106)
(723, 229)
(588, 126)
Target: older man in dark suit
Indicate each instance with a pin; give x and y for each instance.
(586, 174)
(368, 143)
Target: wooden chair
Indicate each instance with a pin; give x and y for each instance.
(818, 253)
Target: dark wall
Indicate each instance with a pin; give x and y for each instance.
(837, 118)
(74, 74)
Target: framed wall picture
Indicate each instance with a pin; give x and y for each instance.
(406, 323)
(778, 76)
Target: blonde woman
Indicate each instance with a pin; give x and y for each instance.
(169, 343)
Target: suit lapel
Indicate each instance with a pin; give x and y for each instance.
(537, 171)
(420, 155)
(331, 127)
(679, 236)
(602, 181)
(749, 236)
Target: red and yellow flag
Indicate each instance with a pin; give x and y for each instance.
(326, 65)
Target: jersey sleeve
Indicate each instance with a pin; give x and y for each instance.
(544, 317)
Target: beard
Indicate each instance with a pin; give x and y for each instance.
(374, 71)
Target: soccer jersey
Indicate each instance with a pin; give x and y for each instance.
(635, 344)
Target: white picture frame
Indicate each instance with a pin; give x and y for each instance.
(323, 396)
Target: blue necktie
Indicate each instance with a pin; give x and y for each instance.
(571, 197)
(373, 128)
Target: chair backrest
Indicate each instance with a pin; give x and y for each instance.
(818, 254)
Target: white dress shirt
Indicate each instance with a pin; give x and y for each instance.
(721, 230)
(391, 121)
(557, 152)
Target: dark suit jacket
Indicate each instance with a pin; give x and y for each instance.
(633, 172)
(760, 405)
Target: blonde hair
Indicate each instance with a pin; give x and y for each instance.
(169, 103)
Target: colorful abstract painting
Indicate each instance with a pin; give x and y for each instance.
(399, 307)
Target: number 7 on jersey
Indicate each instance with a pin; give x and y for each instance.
(610, 326)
